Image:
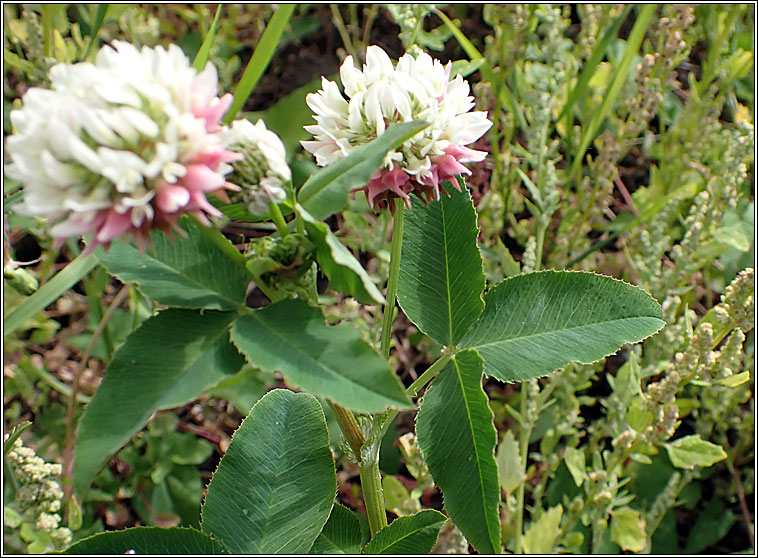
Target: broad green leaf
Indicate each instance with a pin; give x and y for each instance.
(48, 293)
(410, 534)
(167, 361)
(274, 488)
(692, 451)
(540, 537)
(341, 534)
(575, 462)
(345, 273)
(332, 362)
(535, 323)
(148, 540)
(628, 529)
(326, 191)
(457, 437)
(509, 463)
(441, 278)
(259, 61)
(192, 272)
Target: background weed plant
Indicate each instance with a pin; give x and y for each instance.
(622, 144)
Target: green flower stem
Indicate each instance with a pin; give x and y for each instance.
(371, 484)
(371, 477)
(389, 309)
(430, 373)
(350, 428)
(281, 224)
(525, 431)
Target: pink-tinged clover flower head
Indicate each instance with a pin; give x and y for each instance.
(263, 170)
(381, 94)
(124, 145)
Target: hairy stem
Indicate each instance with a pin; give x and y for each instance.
(371, 484)
(389, 309)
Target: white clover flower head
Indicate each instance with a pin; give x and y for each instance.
(417, 88)
(124, 145)
(263, 170)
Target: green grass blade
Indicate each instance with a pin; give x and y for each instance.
(205, 49)
(622, 71)
(102, 10)
(50, 291)
(262, 55)
(506, 97)
(597, 56)
(14, 435)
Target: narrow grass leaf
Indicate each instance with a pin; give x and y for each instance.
(622, 71)
(48, 293)
(14, 435)
(169, 360)
(506, 97)
(410, 534)
(201, 58)
(598, 54)
(273, 490)
(148, 540)
(325, 192)
(262, 55)
(102, 11)
(535, 323)
(341, 534)
(329, 361)
(441, 277)
(457, 437)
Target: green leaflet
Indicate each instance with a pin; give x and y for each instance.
(341, 534)
(541, 534)
(457, 437)
(441, 279)
(273, 490)
(148, 540)
(325, 192)
(198, 271)
(535, 323)
(167, 361)
(691, 451)
(345, 273)
(628, 529)
(332, 362)
(410, 534)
